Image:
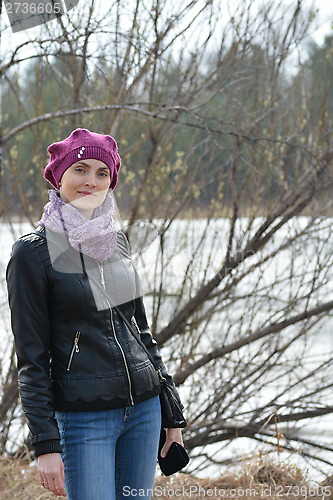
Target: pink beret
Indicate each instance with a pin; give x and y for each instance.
(80, 145)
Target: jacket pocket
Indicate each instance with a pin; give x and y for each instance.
(75, 349)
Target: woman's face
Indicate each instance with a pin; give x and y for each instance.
(85, 185)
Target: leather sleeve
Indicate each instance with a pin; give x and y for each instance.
(28, 300)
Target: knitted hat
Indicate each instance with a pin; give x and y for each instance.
(82, 144)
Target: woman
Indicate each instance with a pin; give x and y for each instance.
(87, 385)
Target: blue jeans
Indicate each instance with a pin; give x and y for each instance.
(112, 454)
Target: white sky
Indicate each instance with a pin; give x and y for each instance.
(322, 26)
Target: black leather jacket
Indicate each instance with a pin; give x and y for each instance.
(74, 351)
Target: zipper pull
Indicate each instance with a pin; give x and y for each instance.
(76, 341)
(75, 348)
(101, 270)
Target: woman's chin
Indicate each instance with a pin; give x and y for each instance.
(86, 203)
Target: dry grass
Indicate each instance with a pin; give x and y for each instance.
(260, 479)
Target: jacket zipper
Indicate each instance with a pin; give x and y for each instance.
(101, 270)
(75, 348)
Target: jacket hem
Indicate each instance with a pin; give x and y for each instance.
(101, 404)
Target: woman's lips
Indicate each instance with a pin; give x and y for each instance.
(86, 193)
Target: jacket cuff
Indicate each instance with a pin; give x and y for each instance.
(44, 447)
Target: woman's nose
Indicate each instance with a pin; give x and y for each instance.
(90, 181)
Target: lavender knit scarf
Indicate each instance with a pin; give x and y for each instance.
(96, 237)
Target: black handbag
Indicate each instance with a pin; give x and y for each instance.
(172, 415)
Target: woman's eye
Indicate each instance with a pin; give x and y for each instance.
(103, 174)
(79, 169)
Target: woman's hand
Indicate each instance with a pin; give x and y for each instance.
(51, 473)
(171, 436)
